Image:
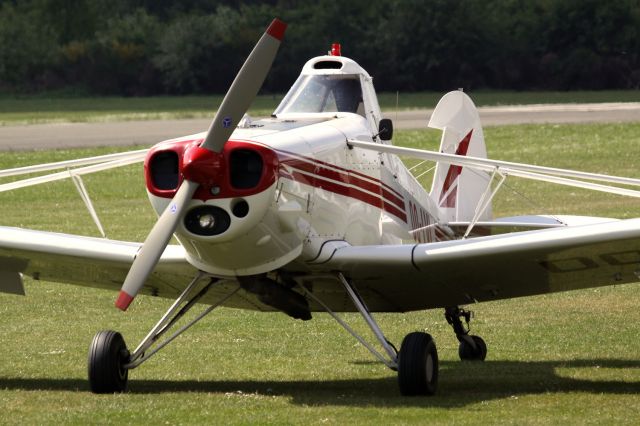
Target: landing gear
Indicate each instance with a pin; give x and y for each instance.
(108, 354)
(109, 358)
(472, 348)
(417, 361)
(418, 365)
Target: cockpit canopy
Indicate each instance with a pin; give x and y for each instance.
(324, 93)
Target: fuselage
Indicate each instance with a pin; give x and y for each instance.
(285, 186)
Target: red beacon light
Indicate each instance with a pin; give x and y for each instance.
(335, 50)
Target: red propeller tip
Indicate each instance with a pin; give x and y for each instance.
(277, 29)
(123, 301)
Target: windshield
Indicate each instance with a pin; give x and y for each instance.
(323, 93)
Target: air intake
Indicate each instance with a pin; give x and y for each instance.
(245, 168)
(164, 170)
(328, 65)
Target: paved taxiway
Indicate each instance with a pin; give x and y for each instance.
(68, 135)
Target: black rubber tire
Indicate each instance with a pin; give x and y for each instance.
(107, 355)
(468, 353)
(418, 365)
(482, 347)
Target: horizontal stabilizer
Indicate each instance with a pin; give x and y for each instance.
(521, 224)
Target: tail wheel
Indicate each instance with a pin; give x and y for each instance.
(475, 350)
(107, 356)
(418, 365)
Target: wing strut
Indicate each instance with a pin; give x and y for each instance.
(545, 174)
(485, 201)
(82, 190)
(173, 314)
(392, 361)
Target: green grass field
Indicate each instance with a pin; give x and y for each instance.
(569, 358)
(51, 108)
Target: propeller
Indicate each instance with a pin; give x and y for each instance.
(234, 105)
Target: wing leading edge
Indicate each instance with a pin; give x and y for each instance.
(87, 261)
(101, 263)
(422, 276)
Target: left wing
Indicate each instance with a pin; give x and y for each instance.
(421, 276)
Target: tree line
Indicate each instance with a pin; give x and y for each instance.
(148, 47)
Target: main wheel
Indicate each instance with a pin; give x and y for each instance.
(467, 351)
(418, 365)
(107, 356)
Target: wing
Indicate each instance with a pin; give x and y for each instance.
(101, 263)
(393, 278)
(87, 261)
(422, 276)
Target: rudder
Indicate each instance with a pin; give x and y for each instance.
(457, 190)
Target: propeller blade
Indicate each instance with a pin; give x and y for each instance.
(245, 87)
(234, 105)
(154, 245)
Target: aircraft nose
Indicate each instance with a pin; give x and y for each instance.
(233, 185)
(202, 165)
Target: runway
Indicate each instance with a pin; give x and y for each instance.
(127, 133)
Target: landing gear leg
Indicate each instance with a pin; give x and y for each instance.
(472, 348)
(417, 361)
(109, 358)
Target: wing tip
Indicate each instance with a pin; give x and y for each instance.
(276, 29)
(123, 301)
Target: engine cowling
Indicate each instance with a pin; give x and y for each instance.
(229, 227)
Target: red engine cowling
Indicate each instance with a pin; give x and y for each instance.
(241, 169)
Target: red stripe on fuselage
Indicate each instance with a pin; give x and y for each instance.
(348, 191)
(339, 174)
(385, 198)
(384, 186)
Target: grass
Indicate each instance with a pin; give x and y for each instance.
(569, 358)
(44, 109)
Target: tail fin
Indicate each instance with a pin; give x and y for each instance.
(457, 190)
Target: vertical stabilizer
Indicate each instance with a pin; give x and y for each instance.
(457, 190)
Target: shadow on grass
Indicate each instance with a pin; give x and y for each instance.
(461, 383)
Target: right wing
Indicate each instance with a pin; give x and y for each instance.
(87, 261)
(102, 263)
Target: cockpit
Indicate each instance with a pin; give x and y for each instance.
(324, 93)
(331, 87)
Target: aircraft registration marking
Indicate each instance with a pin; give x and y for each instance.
(421, 223)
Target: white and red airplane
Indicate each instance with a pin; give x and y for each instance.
(312, 210)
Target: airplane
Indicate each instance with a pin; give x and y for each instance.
(312, 210)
